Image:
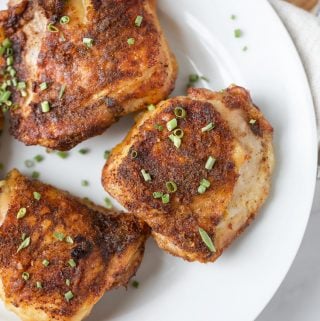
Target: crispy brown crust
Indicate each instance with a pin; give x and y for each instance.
(107, 249)
(175, 226)
(103, 83)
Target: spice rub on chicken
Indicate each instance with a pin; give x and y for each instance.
(196, 169)
(81, 65)
(58, 254)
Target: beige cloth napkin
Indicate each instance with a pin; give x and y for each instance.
(304, 29)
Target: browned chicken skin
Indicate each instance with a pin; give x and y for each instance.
(210, 201)
(109, 60)
(59, 256)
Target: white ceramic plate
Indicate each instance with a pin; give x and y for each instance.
(243, 280)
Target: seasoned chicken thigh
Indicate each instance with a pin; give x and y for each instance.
(58, 255)
(85, 63)
(197, 169)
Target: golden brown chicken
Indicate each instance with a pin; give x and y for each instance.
(197, 170)
(58, 255)
(81, 64)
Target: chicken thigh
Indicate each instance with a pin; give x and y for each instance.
(197, 169)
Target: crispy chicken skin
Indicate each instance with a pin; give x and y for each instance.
(241, 143)
(127, 67)
(107, 249)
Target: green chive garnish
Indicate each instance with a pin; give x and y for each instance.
(35, 175)
(210, 163)
(52, 28)
(45, 106)
(72, 263)
(10, 61)
(245, 48)
(64, 20)
(131, 41)
(69, 240)
(146, 176)
(5, 96)
(178, 132)
(151, 107)
(165, 198)
(39, 158)
(172, 124)
(207, 128)
(69, 296)
(63, 155)
(21, 213)
(106, 154)
(135, 284)
(45, 262)
(108, 203)
(88, 42)
(193, 78)
(180, 112)
(176, 140)
(6, 43)
(25, 243)
(157, 194)
(207, 240)
(59, 236)
(233, 17)
(138, 21)
(134, 154)
(171, 186)
(61, 91)
(68, 282)
(25, 276)
(237, 33)
(84, 183)
(36, 196)
(84, 151)
(39, 285)
(201, 189)
(28, 163)
(43, 86)
(158, 127)
(204, 182)
(252, 121)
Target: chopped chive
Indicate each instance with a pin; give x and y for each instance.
(180, 112)
(68, 296)
(165, 198)
(146, 176)
(38, 158)
(63, 155)
(207, 240)
(36, 196)
(2, 50)
(135, 284)
(88, 42)
(68, 282)
(245, 48)
(176, 140)
(157, 194)
(210, 163)
(106, 154)
(9, 51)
(59, 236)
(193, 78)
(25, 276)
(204, 182)
(21, 213)
(134, 154)
(25, 243)
(10, 61)
(237, 33)
(252, 121)
(178, 132)
(52, 28)
(72, 263)
(64, 20)
(84, 151)
(108, 203)
(201, 189)
(138, 21)
(131, 41)
(45, 106)
(29, 163)
(23, 236)
(45, 263)
(21, 85)
(5, 96)
(69, 240)
(84, 183)
(233, 17)
(172, 124)
(61, 91)
(6, 43)
(171, 186)
(35, 175)
(39, 285)
(43, 86)
(207, 128)
(12, 72)
(151, 107)
(158, 127)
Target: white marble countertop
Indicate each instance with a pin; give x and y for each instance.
(298, 298)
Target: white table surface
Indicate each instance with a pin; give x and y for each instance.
(298, 298)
